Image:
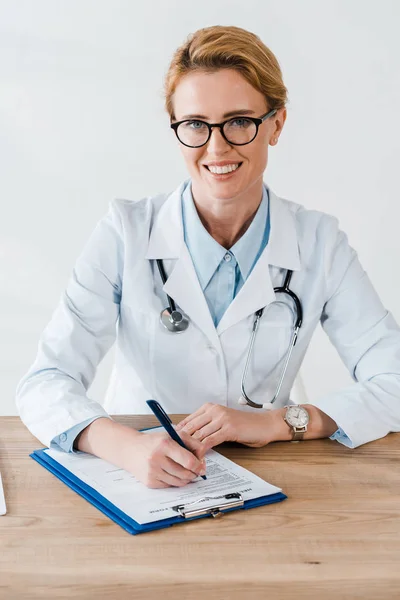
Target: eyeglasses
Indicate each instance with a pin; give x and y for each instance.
(238, 131)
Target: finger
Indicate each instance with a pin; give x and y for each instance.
(206, 431)
(175, 469)
(197, 423)
(170, 480)
(195, 446)
(186, 420)
(160, 484)
(214, 439)
(184, 457)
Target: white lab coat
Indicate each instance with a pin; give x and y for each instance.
(115, 292)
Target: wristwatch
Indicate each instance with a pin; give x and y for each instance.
(297, 418)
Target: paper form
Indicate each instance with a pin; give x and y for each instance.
(146, 505)
(2, 499)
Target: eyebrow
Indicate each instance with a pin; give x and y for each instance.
(232, 113)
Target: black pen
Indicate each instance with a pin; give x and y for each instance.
(167, 423)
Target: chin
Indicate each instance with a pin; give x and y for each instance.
(225, 192)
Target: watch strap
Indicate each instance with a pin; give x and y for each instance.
(298, 435)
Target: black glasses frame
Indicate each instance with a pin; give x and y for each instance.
(257, 122)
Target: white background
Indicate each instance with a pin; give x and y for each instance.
(82, 121)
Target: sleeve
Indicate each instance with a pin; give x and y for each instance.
(65, 441)
(367, 339)
(341, 437)
(52, 397)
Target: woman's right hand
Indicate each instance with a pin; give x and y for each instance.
(159, 462)
(153, 458)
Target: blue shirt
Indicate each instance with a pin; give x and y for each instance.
(221, 273)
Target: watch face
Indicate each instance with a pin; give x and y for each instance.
(297, 416)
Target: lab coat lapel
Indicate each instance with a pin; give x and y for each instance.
(256, 293)
(167, 242)
(281, 251)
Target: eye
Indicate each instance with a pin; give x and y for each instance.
(195, 124)
(240, 123)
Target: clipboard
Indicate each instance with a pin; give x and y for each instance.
(209, 506)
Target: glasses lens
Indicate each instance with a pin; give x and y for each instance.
(193, 133)
(240, 130)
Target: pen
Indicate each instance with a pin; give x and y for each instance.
(167, 423)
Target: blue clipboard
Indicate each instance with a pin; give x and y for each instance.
(129, 524)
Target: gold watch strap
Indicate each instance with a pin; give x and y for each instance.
(298, 435)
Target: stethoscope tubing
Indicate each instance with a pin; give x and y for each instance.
(176, 322)
(163, 276)
(296, 328)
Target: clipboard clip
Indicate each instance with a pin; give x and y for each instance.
(232, 500)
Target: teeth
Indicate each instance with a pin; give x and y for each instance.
(224, 169)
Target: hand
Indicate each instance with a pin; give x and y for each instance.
(153, 458)
(159, 462)
(213, 424)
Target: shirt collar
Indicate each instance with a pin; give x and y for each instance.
(249, 247)
(207, 253)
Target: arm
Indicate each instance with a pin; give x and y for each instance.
(367, 339)
(105, 438)
(213, 424)
(52, 397)
(320, 425)
(67, 439)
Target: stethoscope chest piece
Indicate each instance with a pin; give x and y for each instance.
(174, 320)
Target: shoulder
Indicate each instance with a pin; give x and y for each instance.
(142, 211)
(313, 227)
(321, 242)
(130, 212)
(310, 220)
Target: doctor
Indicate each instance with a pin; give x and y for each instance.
(222, 241)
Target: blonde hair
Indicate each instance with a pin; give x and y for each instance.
(228, 47)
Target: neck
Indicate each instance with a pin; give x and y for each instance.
(227, 219)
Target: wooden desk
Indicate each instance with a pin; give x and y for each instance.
(336, 536)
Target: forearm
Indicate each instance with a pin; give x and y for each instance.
(320, 425)
(106, 439)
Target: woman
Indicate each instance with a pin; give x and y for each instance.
(224, 241)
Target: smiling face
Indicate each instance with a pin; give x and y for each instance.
(215, 97)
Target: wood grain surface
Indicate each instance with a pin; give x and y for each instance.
(336, 536)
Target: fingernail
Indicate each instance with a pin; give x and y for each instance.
(202, 472)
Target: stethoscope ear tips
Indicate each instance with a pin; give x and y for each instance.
(266, 406)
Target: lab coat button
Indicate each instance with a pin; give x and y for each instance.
(63, 437)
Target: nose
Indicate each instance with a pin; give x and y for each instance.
(217, 142)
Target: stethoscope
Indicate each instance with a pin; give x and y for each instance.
(177, 321)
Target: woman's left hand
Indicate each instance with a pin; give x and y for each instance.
(214, 424)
